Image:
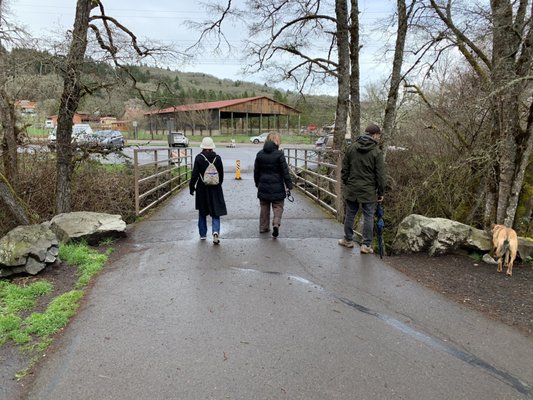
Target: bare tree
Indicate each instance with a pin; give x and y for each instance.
(355, 91)
(107, 34)
(72, 92)
(343, 73)
(287, 41)
(10, 35)
(403, 16)
(502, 59)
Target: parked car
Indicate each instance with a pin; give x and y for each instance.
(108, 139)
(81, 134)
(324, 142)
(176, 139)
(260, 138)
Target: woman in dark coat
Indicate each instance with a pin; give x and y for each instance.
(272, 180)
(209, 198)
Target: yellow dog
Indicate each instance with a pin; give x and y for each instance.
(505, 244)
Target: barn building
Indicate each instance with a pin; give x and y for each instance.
(238, 116)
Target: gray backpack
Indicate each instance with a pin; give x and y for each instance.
(210, 177)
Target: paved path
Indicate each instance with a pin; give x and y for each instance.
(299, 317)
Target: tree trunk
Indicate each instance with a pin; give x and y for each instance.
(69, 104)
(9, 142)
(343, 45)
(355, 91)
(520, 172)
(396, 77)
(17, 208)
(506, 104)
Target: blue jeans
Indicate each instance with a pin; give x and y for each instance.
(368, 222)
(202, 224)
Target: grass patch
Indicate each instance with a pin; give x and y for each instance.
(14, 298)
(88, 261)
(476, 257)
(56, 315)
(33, 333)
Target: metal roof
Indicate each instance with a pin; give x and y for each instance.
(213, 105)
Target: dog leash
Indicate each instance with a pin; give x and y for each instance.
(289, 196)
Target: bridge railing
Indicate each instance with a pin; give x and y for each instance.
(159, 171)
(317, 174)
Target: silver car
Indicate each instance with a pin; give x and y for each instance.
(81, 134)
(177, 139)
(260, 138)
(108, 139)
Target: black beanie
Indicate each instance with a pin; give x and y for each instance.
(372, 129)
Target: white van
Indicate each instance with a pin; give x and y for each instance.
(81, 133)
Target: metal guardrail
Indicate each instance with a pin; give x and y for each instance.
(159, 178)
(317, 174)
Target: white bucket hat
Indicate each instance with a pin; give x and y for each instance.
(207, 143)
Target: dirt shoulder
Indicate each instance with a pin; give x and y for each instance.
(475, 285)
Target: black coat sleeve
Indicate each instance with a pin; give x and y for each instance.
(285, 170)
(195, 175)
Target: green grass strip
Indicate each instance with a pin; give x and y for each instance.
(35, 331)
(88, 261)
(14, 298)
(56, 315)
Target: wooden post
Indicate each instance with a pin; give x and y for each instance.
(136, 177)
(339, 203)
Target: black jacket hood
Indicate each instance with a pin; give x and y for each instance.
(365, 143)
(270, 146)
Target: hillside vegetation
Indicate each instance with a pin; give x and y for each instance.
(39, 79)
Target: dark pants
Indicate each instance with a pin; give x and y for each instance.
(368, 220)
(202, 224)
(264, 216)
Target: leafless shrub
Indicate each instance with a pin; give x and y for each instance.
(431, 179)
(97, 187)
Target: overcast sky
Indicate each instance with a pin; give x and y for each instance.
(164, 21)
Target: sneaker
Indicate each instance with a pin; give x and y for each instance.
(202, 238)
(346, 243)
(366, 249)
(216, 240)
(275, 231)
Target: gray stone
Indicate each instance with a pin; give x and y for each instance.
(27, 248)
(525, 248)
(89, 226)
(437, 236)
(487, 258)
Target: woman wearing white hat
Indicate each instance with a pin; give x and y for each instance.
(209, 197)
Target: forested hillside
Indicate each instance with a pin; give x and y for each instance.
(113, 93)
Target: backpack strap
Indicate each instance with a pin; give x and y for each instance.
(209, 162)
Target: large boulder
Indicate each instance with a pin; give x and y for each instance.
(87, 225)
(525, 248)
(27, 248)
(437, 236)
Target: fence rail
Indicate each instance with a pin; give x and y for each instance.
(317, 174)
(166, 171)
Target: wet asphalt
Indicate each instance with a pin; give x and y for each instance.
(297, 317)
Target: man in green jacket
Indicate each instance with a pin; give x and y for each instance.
(363, 177)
